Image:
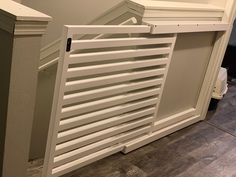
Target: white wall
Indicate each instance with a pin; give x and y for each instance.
(69, 12)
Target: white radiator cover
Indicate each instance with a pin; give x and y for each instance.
(110, 92)
(107, 92)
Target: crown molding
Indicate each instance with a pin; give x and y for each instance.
(12, 26)
(18, 19)
(30, 28)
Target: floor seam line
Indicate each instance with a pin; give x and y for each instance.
(219, 128)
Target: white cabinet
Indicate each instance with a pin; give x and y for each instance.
(120, 87)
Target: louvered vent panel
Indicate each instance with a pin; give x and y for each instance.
(107, 92)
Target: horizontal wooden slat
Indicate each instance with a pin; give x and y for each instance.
(119, 42)
(106, 123)
(105, 113)
(109, 91)
(108, 102)
(91, 138)
(61, 170)
(114, 55)
(112, 79)
(108, 29)
(114, 67)
(92, 148)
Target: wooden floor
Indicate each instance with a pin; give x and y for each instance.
(206, 149)
(225, 115)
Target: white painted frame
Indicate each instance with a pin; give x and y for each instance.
(63, 73)
(191, 116)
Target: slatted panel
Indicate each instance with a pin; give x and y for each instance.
(107, 93)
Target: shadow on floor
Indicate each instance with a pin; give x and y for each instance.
(224, 117)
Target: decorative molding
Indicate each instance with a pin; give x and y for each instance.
(30, 28)
(22, 27)
(18, 19)
(20, 12)
(182, 6)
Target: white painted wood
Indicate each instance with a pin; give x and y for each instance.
(120, 42)
(109, 91)
(154, 5)
(222, 40)
(130, 21)
(54, 47)
(99, 91)
(66, 168)
(185, 27)
(182, 14)
(171, 120)
(106, 123)
(92, 148)
(112, 79)
(103, 56)
(199, 11)
(164, 81)
(58, 95)
(50, 63)
(167, 125)
(107, 102)
(94, 101)
(110, 29)
(110, 131)
(21, 31)
(97, 136)
(105, 113)
(30, 28)
(114, 67)
(142, 141)
(183, 19)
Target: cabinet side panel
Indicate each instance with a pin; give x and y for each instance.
(186, 74)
